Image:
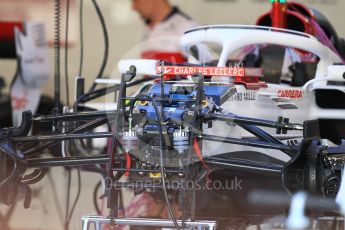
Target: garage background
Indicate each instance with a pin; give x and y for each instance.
(125, 31)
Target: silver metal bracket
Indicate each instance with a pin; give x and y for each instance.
(98, 221)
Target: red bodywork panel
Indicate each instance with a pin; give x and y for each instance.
(7, 30)
(7, 39)
(171, 57)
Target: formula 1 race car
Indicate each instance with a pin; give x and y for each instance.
(227, 103)
(226, 143)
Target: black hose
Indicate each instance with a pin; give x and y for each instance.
(103, 91)
(86, 127)
(106, 44)
(76, 198)
(13, 173)
(81, 35)
(67, 199)
(55, 196)
(66, 53)
(69, 214)
(95, 198)
(159, 119)
(35, 177)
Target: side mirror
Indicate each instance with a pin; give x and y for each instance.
(336, 73)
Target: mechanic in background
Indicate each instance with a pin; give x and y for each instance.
(165, 24)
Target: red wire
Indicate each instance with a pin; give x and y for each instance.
(128, 163)
(199, 154)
